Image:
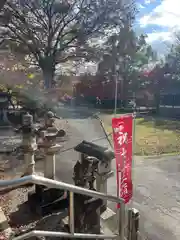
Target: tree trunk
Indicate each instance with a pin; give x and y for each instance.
(47, 65)
(48, 76)
(124, 92)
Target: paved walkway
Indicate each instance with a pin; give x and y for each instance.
(156, 196)
(81, 127)
(156, 181)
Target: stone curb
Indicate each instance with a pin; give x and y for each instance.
(5, 229)
(162, 155)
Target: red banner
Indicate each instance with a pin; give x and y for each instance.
(122, 137)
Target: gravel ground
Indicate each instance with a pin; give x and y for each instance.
(14, 203)
(8, 163)
(8, 141)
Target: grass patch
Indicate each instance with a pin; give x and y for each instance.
(153, 136)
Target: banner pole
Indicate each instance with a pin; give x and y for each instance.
(133, 140)
(116, 94)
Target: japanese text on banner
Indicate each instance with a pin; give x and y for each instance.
(122, 137)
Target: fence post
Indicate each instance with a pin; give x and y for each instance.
(133, 224)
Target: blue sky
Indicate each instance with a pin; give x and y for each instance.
(159, 19)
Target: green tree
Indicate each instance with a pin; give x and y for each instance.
(57, 31)
(125, 55)
(172, 60)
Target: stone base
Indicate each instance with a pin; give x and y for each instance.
(103, 208)
(44, 201)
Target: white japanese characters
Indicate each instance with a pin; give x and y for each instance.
(122, 140)
(122, 135)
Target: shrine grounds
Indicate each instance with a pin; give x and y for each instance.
(153, 135)
(156, 182)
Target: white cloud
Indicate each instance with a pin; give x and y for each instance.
(160, 41)
(144, 21)
(159, 36)
(166, 15)
(148, 1)
(140, 6)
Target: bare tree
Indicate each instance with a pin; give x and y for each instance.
(55, 31)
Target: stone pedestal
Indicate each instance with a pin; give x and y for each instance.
(45, 200)
(29, 146)
(49, 119)
(30, 163)
(49, 161)
(50, 148)
(104, 172)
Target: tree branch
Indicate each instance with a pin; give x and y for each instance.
(65, 25)
(25, 42)
(22, 20)
(36, 14)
